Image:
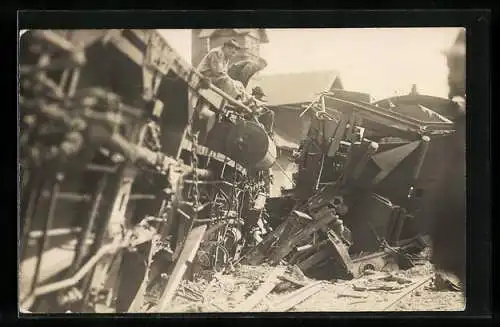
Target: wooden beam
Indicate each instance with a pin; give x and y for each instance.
(186, 256)
(253, 300)
(305, 232)
(128, 49)
(293, 280)
(340, 251)
(296, 297)
(258, 253)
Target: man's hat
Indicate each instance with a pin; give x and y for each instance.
(258, 91)
(232, 43)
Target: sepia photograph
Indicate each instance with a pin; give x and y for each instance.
(242, 170)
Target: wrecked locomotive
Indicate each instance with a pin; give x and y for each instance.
(363, 169)
(123, 180)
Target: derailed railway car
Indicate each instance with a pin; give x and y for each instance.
(124, 186)
(363, 172)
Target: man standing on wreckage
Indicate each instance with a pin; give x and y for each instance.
(215, 66)
(264, 115)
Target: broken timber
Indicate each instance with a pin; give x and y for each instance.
(186, 256)
(322, 219)
(296, 297)
(254, 299)
(341, 253)
(138, 301)
(293, 280)
(258, 254)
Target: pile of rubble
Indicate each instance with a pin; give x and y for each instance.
(319, 244)
(246, 289)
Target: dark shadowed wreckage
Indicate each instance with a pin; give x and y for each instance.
(136, 173)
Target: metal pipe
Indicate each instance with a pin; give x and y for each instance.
(34, 197)
(101, 168)
(137, 153)
(48, 223)
(102, 227)
(75, 78)
(64, 79)
(87, 197)
(229, 99)
(138, 197)
(190, 181)
(70, 196)
(83, 246)
(54, 232)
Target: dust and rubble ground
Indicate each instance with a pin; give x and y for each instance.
(222, 292)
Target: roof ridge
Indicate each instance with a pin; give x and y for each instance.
(330, 71)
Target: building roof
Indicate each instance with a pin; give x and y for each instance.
(262, 33)
(296, 88)
(422, 107)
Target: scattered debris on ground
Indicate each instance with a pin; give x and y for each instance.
(255, 289)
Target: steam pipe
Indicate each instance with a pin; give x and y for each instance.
(137, 153)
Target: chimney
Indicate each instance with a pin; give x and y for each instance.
(414, 90)
(202, 40)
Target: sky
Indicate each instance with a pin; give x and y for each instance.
(380, 61)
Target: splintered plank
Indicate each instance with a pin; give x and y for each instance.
(254, 299)
(306, 232)
(138, 301)
(293, 280)
(296, 297)
(259, 253)
(186, 256)
(340, 253)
